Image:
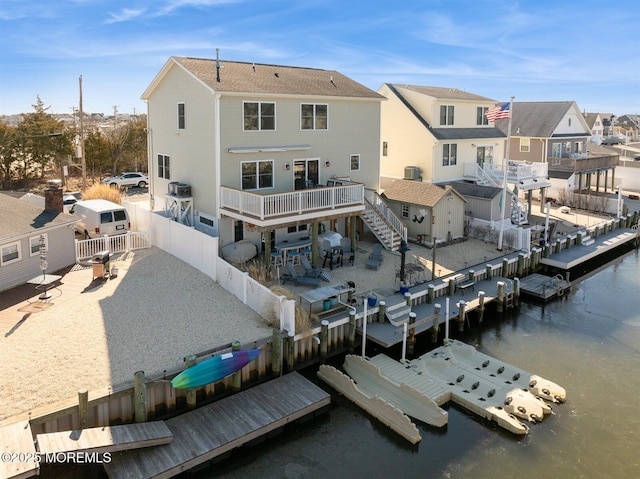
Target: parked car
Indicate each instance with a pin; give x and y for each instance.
(68, 201)
(127, 179)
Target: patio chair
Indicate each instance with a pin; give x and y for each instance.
(295, 278)
(311, 272)
(375, 258)
(347, 250)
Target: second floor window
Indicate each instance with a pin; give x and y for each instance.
(449, 154)
(446, 114)
(355, 162)
(313, 116)
(259, 115)
(182, 125)
(163, 167)
(481, 118)
(525, 145)
(257, 175)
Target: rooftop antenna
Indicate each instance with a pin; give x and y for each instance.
(217, 65)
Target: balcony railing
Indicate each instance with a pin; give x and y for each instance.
(516, 171)
(265, 206)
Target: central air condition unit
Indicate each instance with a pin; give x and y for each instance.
(411, 173)
(183, 190)
(172, 187)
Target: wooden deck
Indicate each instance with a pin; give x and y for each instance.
(106, 439)
(210, 431)
(17, 440)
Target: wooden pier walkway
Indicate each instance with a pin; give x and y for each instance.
(210, 431)
(16, 440)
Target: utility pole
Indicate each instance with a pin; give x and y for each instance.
(82, 158)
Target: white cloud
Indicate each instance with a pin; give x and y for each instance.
(124, 15)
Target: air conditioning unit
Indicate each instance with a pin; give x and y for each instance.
(411, 173)
(179, 189)
(183, 190)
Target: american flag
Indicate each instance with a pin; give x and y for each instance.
(498, 112)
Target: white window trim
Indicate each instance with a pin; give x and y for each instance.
(275, 115)
(37, 238)
(257, 188)
(350, 157)
(178, 115)
(314, 117)
(164, 168)
(7, 245)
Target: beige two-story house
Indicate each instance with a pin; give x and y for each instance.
(429, 133)
(261, 152)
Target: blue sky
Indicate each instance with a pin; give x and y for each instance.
(586, 51)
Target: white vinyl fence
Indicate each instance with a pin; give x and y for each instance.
(132, 240)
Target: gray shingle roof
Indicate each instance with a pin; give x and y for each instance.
(535, 119)
(476, 191)
(19, 218)
(443, 93)
(244, 77)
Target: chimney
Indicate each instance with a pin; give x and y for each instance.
(53, 196)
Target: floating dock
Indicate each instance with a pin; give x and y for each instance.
(458, 372)
(213, 430)
(543, 287)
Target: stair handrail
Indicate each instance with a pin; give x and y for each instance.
(482, 174)
(386, 213)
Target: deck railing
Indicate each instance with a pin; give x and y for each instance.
(272, 205)
(129, 241)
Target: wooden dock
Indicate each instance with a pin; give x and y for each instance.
(213, 430)
(106, 439)
(543, 287)
(16, 440)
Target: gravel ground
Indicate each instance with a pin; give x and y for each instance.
(155, 312)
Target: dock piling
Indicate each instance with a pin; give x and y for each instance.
(291, 350)
(140, 396)
(382, 310)
(481, 295)
(236, 382)
(191, 392)
(352, 329)
(276, 353)
(412, 334)
(436, 322)
(83, 407)
(501, 296)
(324, 338)
(461, 307)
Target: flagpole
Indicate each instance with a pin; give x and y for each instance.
(504, 178)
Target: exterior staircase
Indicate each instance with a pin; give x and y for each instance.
(383, 223)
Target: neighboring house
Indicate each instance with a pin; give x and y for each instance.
(595, 124)
(430, 133)
(264, 151)
(557, 134)
(628, 126)
(431, 212)
(21, 226)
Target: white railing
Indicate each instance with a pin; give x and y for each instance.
(132, 240)
(291, 202)
(385, 212)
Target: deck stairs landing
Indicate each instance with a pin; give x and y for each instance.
(382, 221)
(397, 310)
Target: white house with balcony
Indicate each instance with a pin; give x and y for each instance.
(258, 152)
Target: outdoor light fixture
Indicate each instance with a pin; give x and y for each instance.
(327, 163)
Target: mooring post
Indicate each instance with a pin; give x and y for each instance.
(352, 329)
(412, 333)
(291, 350)
(452, 286)
(558, 246)
(236, 381)
(505, 267)
(481, 295)
(547, 251)
(140, 397)
(579, 238)
(471, 275)
(501, 296)
(431, 293)
(324, 338)
(489, 270)
(276, 353)
(436, 322)
(407, 298)
(382, 311)
(520, 270)
(83, 407)
(191, 392)
(461, 307)
(516, 291)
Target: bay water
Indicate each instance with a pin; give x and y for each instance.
(587, 341)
